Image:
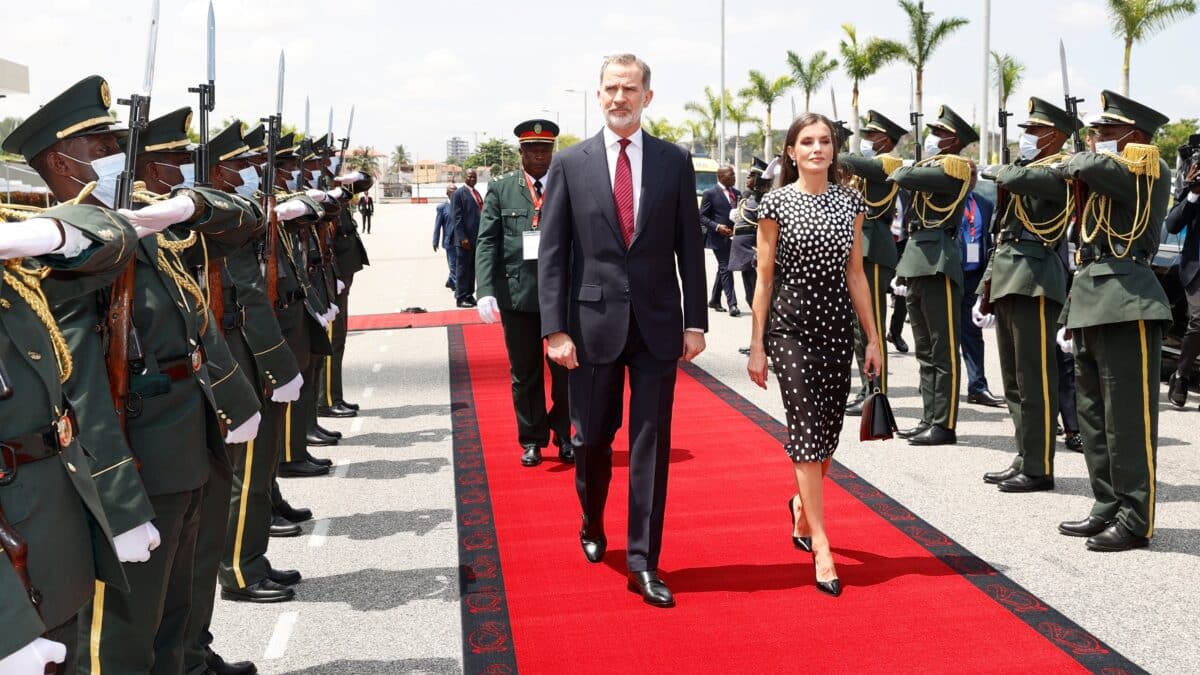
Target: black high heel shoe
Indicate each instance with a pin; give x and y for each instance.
(832, 587)
(802, 543)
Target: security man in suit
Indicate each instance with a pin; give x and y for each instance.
(1186, 215)
(1025, 282)
(871, 170)
(1115, 315)
(443, 235)
(465, 208)
(716, 204)
(506, 266)
(931, 270)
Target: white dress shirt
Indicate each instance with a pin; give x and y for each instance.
(612, 148)
(529, 180)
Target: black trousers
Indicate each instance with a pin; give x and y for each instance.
(464, 273)
(366, 218)
(899, 305)
(724, 280)
(523, 340)
(1190, 349)
(597, 392)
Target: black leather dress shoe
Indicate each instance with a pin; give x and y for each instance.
(327, 432)
(301, 469)
(985, 397)
(995, 477)
(1177, 390)
(909, 433)
(282, 527)
(1074, 441)
(532, 455)
(284, 577)
(651, 588)
(594, 543)
(334, 411)
(734, 311)
(321, 461)
(854, 407)
(716, 307)
(566, 451)
(263, 591)
(1026, 483)
(313, 438)
(218, 666)
(935, 435)
(1088, 527)
(744, 351)
(1116, 538)
(899, 343)
(465, 304)
(348, 406)
(291, 513)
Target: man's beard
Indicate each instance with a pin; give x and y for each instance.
(628, 119)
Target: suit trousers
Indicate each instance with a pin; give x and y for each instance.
(724, 279)
(523, 340)
(142, 630)
(1025, 337)
(597, 394)
(452, 265)
(749, 283)
(934, 306)
(1117, 379)
(1190, 349)
(329, 375)
(1067, 411)
(366, 218)
(971, 336)
(900, 305)
(464, 273)
(879, 279)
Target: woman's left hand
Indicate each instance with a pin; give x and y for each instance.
(757, 367)
(874, 362)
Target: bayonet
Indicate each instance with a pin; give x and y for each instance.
(207, 102)
(914, 120)
(329, 132)
(1072, 103)
(279, 96)
(1005, 155)
(212, 44)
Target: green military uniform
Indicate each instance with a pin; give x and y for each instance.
(506, 269)
(1026, 281)
(879, 248)
(1117, 311)
(48, 493)
(932, 268)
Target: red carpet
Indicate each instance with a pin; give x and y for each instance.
(914, 601)
(453, 317)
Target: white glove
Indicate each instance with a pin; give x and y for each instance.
(334, 310)
(291, 209)
(36, 236)
(33, 657)
(899, 290)
(316, 195)
(1066, 344)
(160, 216)
(352, 177)
(288, 392)
(979, 318)
(341, 286)
(336, 193)
(136, 544)
(489, 311)
(245, 431)
(323, 321)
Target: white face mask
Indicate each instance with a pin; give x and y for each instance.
(933, 145)
(291, 182)
(107, 169)
(1113, 147)
(867, 149)
(1028, 146)
(334, 162)
(249, 184)
(189, 175)
(314, 177)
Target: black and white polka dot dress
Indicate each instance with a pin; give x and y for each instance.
(810, 334)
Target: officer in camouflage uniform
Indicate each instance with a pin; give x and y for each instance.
(931, 269)
(1116, 314)
(871, 170)
(1026, 283)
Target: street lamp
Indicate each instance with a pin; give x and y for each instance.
(557, 123)
(585, 107)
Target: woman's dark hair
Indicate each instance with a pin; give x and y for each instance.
(789, 172)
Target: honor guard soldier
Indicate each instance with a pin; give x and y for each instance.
(506, 259)
(1115, 316)
(743, 247)
(1025, 284)
(931, 270)
(871, 169)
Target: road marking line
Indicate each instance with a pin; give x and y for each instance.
(320, 531)
(279, 638)
(368, 391)
(377, 367)
(356, 425)
(341, 469)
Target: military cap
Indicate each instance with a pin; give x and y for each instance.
(757, 166)
(168, 133)
(256, 139)
(287, 147)
(79, 111)
(227, 144)
(841, 132)
(1045, 114)
(948, 120)
(1118, 109)
(878, 122)
(536, 131)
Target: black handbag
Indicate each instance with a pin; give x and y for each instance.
(878, 423)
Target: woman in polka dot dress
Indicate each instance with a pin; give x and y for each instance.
(811, 284)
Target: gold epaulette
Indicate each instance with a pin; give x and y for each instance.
(957, 167)
(1141, 159)
(890, 163)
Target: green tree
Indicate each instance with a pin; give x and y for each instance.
(1007, 73)
(1136, 20)
(709, 112)
(811, 74)
(363, 159)
(861, 61)
(6, 127)
(660, 128)
(399, 157)
(496, 153)
(1172, 135)
(924, 37)
(739, 114)
(765, 91)
(567, 140)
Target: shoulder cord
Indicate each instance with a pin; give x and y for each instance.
(1142, 161)
(28, 284)
(1051, 229)
(173, 267)
(955, 167)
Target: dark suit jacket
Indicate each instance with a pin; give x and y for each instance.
(443, 229)
(366, 206)
(464, 215)
(590, 285)
(1186, 214)
(714, 211)
(986, 209)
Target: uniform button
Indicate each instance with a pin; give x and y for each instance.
(5, 304)
(71, 467)
(36, 356)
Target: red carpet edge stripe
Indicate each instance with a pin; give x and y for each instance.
(394, 320)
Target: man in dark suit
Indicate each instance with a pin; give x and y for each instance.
(443, 235)
(715, 206)
(975, 243)
(1186, 214)
(465, 207)
(366, 209)
(611, 302)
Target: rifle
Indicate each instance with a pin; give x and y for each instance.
(914, 120)
(1072, 108)
(1002, 197)
(17, 549)
(212, 281)
(271, 248)
(124, 348)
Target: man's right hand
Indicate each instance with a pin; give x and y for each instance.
(435, 248)
(465, 244)
(725, 230)
(33, 658)
(561, 350)
(1193, 177)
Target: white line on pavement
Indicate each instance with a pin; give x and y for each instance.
(377, 367)
(368, 391)
(279, 638)
(356, 425)
(341, 469)
(320, 530)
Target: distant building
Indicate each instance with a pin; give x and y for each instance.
(457, 148)
(427, 171)
(450, 173)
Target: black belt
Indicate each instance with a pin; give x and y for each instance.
(36, 445)
(232, 320)
(1025, 235)
(1088, 254)
(184, 367)
(745, 229)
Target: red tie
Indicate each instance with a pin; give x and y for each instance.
(478, 200)
(623, 192)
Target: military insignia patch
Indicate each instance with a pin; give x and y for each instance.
(1031, 105)
(537, 128)
(106, 234)
(105, 96)
(221, 204)
(66, 432)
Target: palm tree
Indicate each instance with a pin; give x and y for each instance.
(739, 114)
(1007, 73)
(766, 92)
(1136, 20)
(399, 157)
(696, 133)
(709, 112)
(924, 38)
(863, 61)
(363, 159)
(811, 74)
(661, 128)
